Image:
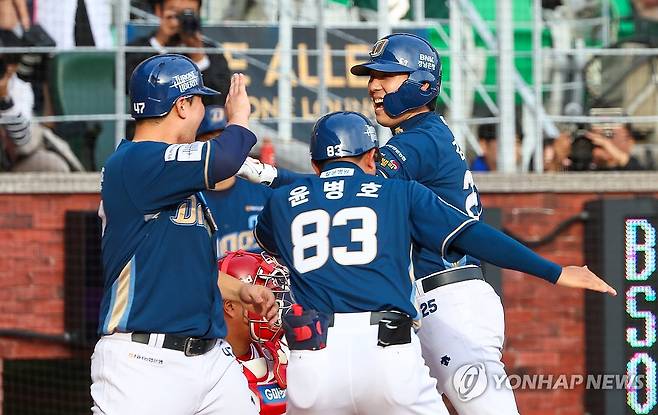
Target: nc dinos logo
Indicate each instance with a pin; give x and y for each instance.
(379, 47)
(470, 381)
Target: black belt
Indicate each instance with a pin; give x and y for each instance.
(376, 317)
(450, 277)
(191, 346)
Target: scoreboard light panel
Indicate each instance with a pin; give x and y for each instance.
(620, 246)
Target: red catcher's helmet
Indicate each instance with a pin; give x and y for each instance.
(261, 269)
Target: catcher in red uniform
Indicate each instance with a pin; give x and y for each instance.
(255, 344)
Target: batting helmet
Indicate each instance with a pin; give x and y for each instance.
(342, 134)
(405, 53)
(214, 120)
(160, 80)
(265, 270)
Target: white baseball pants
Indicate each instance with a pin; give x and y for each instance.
(134, 378)
(463, 325)
(353, 375)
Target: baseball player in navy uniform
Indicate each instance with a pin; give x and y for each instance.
(256, 345)
(463, 318)
(162, 349)
(213, 123)
(346, 237)
(234, 202)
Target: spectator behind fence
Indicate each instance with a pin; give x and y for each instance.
(488, 141)
(489, 146)
(15, 20)
(75, 22)
(14, 16)
(25, 147)
(556, 152)
(180, 25)
(604, 148)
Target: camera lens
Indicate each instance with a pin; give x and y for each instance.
(190, 22)
(581, 152)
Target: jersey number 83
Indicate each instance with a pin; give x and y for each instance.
(319, 238)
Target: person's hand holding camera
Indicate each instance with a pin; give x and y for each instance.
(190, 33)
(193, 40)
(608, 151)
(180, 27)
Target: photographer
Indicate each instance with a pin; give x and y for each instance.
(612, 148)
(180, 25)
(604, 148)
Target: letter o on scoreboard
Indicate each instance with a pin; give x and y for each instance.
(620, 246)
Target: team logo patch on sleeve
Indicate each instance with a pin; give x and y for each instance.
(184, 152)
(389, 164)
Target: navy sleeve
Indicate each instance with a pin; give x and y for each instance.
(156, 175)
(399, 161)
(284, 177)
(263, 231)
(434, 223)
(228, 152)
(486, 243)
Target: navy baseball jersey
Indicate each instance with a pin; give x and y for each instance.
(346, 237)
(423, 149)
(235, 211)
(159, 262)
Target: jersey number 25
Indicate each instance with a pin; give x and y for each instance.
(319, 238)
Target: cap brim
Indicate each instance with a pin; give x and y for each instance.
(364, 69)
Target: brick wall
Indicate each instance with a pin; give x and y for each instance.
(544, 324)
(545, 329)
(32, 268)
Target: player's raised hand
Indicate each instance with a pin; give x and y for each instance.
(582, 277)
(260, 300)
(237, 105)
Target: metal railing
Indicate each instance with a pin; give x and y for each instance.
(468, 66)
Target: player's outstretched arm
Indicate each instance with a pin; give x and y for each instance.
(256, 298)
(488, 244)
(582, 277)
(261, 173)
